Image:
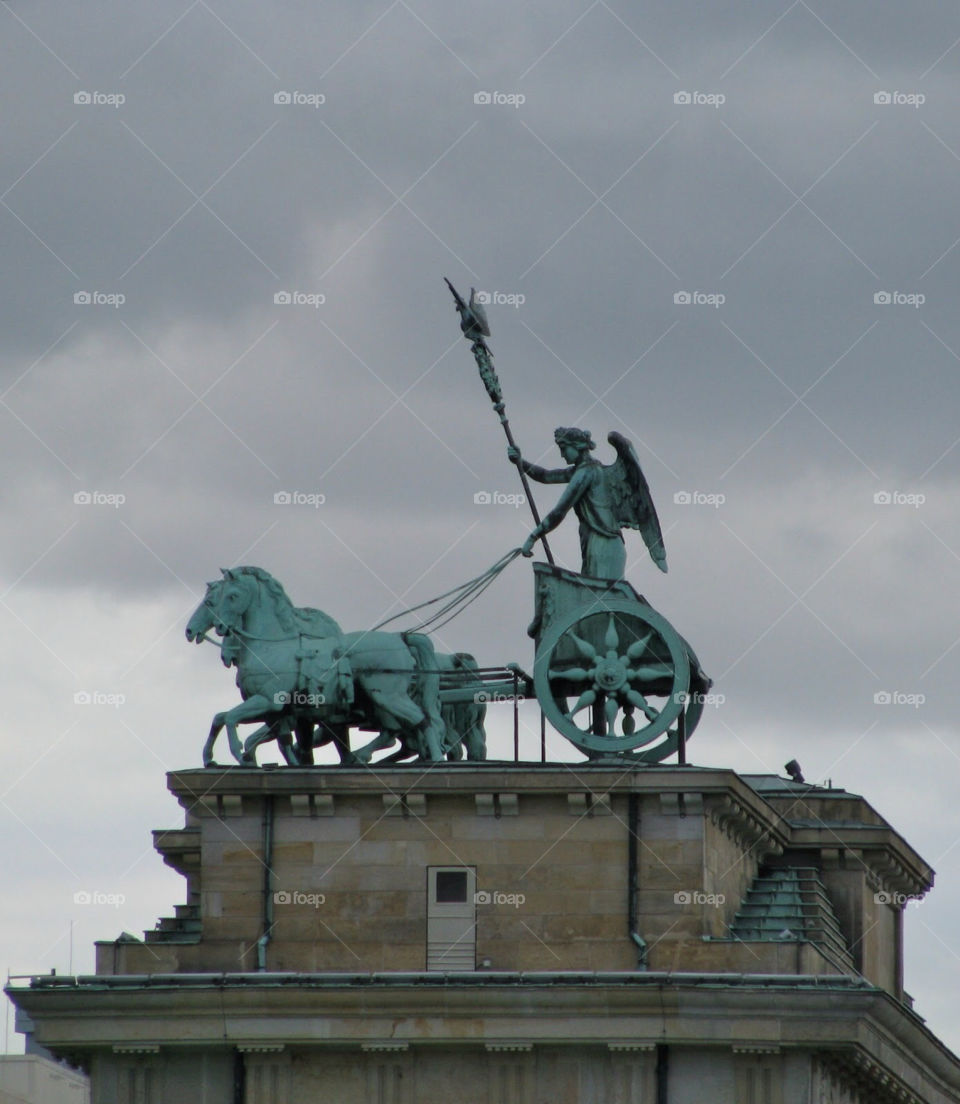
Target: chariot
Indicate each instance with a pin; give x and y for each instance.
(611, 674)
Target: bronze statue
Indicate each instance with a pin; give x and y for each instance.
(605, 498)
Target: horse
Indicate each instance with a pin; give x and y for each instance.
(296, 668)
(282, 727)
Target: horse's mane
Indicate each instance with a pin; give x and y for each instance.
(285, 609)
(292, 618)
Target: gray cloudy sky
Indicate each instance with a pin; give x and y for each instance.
(826, 377)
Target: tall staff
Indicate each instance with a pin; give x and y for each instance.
(473, 322)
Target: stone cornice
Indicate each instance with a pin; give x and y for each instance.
(748, 1014)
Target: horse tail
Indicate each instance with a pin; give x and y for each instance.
(427, 690)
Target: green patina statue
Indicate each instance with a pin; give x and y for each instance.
(605, 497)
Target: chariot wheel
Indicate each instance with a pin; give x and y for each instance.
(614, 677)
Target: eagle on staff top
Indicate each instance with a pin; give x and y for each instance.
(606, 498)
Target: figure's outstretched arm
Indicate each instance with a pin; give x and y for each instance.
(541, 475)
(578, 484)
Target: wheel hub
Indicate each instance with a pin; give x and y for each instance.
(610, 675)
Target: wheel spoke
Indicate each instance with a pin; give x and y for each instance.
(648, 674)
(636, 650)
(612, 708)
(585, 649)
(573, 674)
(639, 700)
(612, 639)
(588, 697)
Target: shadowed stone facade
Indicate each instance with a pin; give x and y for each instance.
(617, 934)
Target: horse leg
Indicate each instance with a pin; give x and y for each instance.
(340, 735)
(255, 708)
(305, 741)
(215, 727)
(452, 740)
(404, 752)
(250, 745)
(475, 738)
(384, 740)
(430, 729)
(392, 709)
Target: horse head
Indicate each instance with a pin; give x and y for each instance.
(230, 599)
(202, 619)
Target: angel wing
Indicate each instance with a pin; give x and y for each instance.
(631, 499)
